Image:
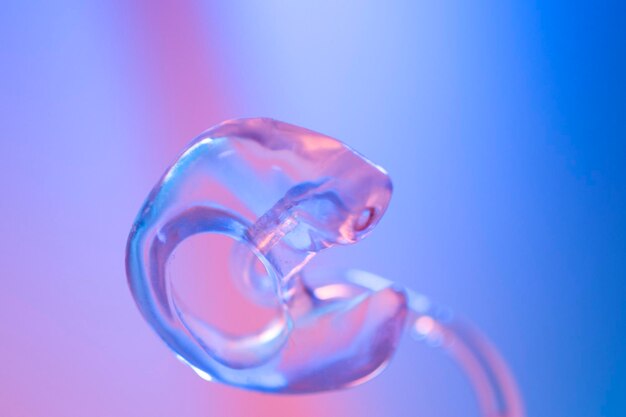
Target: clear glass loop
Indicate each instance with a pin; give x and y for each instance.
(284, 193)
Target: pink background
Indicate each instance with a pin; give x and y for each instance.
(501, 124)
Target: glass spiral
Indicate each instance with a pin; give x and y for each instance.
(282, 194)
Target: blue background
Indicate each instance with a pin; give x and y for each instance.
(501, 124)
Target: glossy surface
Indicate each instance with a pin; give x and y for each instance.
(283, 193)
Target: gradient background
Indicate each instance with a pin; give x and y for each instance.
(501, 123)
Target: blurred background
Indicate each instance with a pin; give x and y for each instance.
(501, 123)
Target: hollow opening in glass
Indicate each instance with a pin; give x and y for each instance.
(231, 327)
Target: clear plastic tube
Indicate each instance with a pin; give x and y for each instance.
(494, 385)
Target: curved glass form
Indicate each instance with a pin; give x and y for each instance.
(282, 193)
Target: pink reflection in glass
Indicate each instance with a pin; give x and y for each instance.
(284, 193)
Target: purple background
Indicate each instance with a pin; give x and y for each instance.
(501, 123)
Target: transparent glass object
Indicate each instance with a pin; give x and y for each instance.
(282, 194)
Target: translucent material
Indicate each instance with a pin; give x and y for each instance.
(283, 194)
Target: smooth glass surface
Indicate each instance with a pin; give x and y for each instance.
(283, 194)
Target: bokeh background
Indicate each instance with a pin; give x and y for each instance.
(501, 123)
